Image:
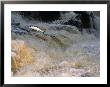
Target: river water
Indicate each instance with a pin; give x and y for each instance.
(62, 50)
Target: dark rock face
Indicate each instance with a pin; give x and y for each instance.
(74, 23)
(46, 16)
(28, 14)
(82, 20)
(85, 18)
(49, 15)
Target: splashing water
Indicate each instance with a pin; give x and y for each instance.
(61, 51)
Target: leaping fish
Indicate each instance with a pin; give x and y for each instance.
(36, 29)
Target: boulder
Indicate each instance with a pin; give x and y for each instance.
(45, 16)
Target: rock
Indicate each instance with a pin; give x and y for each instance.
(74, 23)
(45, 16)
(17, 24)
(85, 18)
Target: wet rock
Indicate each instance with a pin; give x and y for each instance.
(85, 18)
(17, 24)
(74, 23)
(45, 16)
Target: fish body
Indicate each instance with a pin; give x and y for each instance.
(36, 29)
